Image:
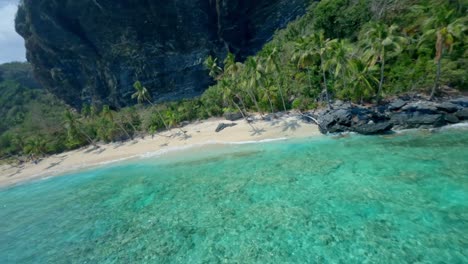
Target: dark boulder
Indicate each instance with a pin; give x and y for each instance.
(396, 105)
(426, 107)
(447, 107)
(334, 121)
(373, 128)
(399, 114)
(342, 116)
(405, 120)
(451, 118)
(353, 119)
(222, 126)
(462, 114)
(431, 120)
(233, 116)
(462, 101)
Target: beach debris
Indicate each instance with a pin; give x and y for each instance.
(222, 126)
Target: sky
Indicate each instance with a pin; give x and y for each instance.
(11, 44)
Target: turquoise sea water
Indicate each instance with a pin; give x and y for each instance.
(399, 198)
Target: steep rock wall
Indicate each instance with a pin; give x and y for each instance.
(94, 50)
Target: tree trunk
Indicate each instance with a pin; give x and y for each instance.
(325, 81)
(160, 116)
(252, 97)
(91, 141)
(437, 81)
(309, 74)
(282, 96)
(382, 73)
(135, 131)
(269, 100)
(124, 130)
(242, 113)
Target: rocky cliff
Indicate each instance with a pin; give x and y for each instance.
(94, 50)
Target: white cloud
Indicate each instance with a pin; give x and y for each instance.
(11, 44)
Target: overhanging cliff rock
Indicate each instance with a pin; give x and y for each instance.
(94, 50)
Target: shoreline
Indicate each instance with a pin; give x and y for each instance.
(198, 134)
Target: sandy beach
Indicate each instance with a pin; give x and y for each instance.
(197, 133)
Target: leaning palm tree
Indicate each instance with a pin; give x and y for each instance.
(141, 95)
(73, 127)
(233, 69)
(378, 41)
(442, 27)
(229, 96)
(109, 115)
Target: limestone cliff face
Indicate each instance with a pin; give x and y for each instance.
(94, 50)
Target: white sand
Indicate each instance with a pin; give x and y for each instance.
(198, 133)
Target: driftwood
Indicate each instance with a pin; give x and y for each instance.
(311, 118)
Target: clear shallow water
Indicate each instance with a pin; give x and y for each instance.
(392, 199)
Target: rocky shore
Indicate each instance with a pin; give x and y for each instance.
(400, 113)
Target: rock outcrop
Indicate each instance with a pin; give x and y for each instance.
(398, 114)
(94, 50)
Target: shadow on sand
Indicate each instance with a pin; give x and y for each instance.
(292, 125)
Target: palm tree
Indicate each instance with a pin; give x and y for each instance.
(142, 94)
(304, 56)
(212, 65)
(442, 27)
(109, 115)
(86, 110)
(35, 147)
(73, 127)
(255, 75)
(130, 116)
(233, 69)
(272, 65)
(378, 41)
(339, 60)
(313, 46)
(228, 97)
(361, 81)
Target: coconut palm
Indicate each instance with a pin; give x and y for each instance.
(212, 65)
(361, 82)
(229, 96)
(272, 65)
(255, 76)
(109, 115)
(233, 69)
(303, 55)
(338, 61)
(380, 41)
(130, 116)
(141, 95)
(312, 47)
(35, 147)
(73, 127)
(445, 30)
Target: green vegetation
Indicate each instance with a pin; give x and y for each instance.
(352, 50)
(360, 51)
